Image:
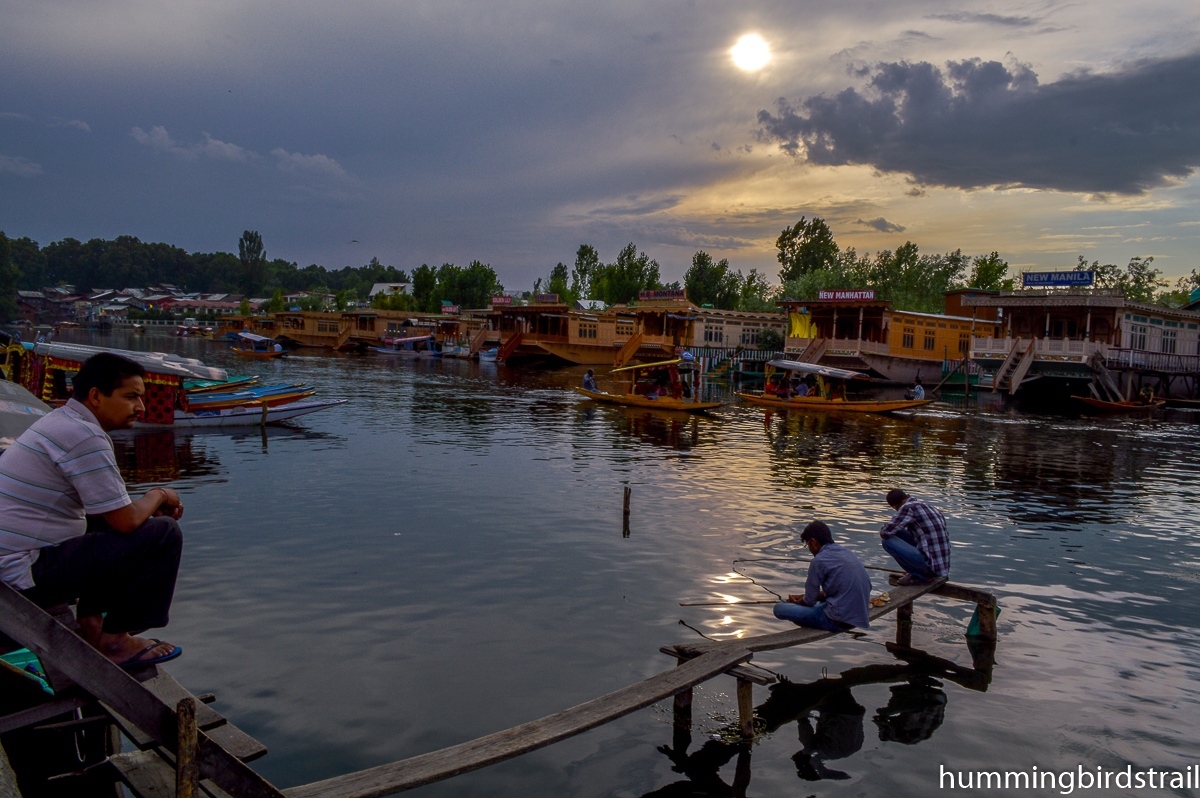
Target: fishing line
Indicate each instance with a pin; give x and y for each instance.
(744, 664)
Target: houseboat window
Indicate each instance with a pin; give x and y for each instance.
(1168, 341)
(908, 342)
(964, 341)
(930, 341)
(1137, 336)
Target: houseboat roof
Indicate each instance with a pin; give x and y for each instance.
(154, 362)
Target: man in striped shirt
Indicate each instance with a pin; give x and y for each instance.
(916, 537)
(62, 470)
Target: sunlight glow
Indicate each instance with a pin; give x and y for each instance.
(751, 52)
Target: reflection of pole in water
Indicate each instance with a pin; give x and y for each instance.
(625, 514)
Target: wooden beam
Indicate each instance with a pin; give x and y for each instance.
(428, 768)
(738, 672)
(745, 698)
(26, 623)
(798, 636)
(963, 593)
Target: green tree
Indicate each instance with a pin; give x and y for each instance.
(8, 281)
(424, 286)
(757, 295)
(244, 307)
(620, 282)
(253, 256)
(557, 283)
(587, 265)
(989, 272)
(709, 283)
(770, 340)
(1139, 281)
(805, 247)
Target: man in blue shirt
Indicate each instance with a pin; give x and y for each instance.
(837, 591)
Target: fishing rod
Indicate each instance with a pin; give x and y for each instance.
(774, 600)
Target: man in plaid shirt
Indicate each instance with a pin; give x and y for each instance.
(916, 537)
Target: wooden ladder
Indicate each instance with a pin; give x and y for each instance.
(510, 346)
(630, 349)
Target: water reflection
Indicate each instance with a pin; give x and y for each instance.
(830, 721)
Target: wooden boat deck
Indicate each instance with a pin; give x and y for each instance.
(154, 712)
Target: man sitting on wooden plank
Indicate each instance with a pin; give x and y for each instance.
(62, 470)
(916, 537)
(837, 591)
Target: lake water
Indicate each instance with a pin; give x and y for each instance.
(443, 558)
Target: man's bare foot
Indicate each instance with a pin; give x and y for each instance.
(125, 650)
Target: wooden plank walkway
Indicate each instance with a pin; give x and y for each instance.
(438, 765)
(798, 636)
(60, 647)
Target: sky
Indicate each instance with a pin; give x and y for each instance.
(513, 132)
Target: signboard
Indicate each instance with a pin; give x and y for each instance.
(450, 309)
(662, 293)
(501, 300)
(546, 299)
(853, 296)
(1048, 279)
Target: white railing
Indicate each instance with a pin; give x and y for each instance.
(1052, 347)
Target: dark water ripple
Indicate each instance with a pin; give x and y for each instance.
(444, 559)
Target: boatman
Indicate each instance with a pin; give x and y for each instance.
(916, 537)
(917, 392)
(837, 591)
(589, 381)
(62, 470)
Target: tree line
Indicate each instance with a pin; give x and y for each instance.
(809, 257)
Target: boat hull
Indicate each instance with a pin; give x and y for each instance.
(1119, 407)
(241, 416)
(252, 353)
(661, 403)
(834, 405)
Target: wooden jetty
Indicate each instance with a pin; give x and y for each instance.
(188, 750)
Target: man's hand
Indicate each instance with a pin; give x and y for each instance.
(171, 507)
(794, 599)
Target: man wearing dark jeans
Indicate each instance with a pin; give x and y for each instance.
(63, 470)
(916, 538)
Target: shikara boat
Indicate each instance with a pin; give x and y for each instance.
(214, 386)
(414, 346)
(1120, 407)
(655, 376)
(252, 345)
(241, 416)
(271, 396)
(828, 394)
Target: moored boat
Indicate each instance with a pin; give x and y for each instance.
(241, 416)
(413, 346)
(253, 345)
(1120, 407)
(657, 385)
(827, 393)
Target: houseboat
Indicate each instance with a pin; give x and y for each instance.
(1078, 340)
(853, 330)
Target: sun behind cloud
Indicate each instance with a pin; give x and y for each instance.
(751, 52)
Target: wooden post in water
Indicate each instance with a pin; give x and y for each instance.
(745, 697)
(625, 514)
(904, 622)
(264, 415)
(187, 772)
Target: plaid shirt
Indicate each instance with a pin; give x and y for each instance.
(928, 527)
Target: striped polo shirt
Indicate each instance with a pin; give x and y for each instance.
(59, 471)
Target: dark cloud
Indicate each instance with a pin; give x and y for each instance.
(987, 19)
(977, 124)
(882, 225)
